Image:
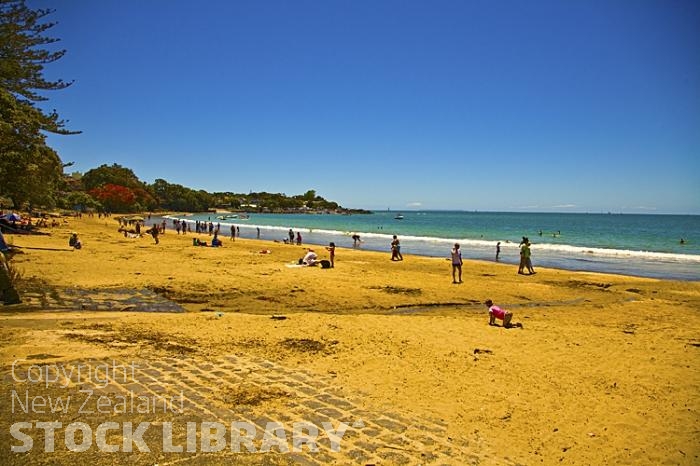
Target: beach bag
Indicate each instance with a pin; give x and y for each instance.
(325, 264)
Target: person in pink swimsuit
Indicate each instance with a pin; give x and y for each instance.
(496, 312)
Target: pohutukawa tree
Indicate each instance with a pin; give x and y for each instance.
(30, 171)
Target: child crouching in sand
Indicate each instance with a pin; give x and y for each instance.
(496, 312)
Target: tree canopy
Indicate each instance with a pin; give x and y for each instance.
(23, 124)
(114, 174)
(117, 189)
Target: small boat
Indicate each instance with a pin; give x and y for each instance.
(227, 217)
(398, 217)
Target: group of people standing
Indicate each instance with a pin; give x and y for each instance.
(291, 237)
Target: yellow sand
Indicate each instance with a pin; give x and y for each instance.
(604, 371)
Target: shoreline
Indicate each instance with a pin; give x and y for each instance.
(587, 259)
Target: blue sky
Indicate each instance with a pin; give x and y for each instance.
(576, 105)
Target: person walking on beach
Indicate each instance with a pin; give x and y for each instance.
(456, 263)
(331, 250)
(521, 265)
(298, 238)
(498, 250)
(396, 249)
(528, 259)
(291, 236)
(233, 233)
(525, 261)
(154, 233)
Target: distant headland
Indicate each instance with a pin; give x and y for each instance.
(116, 189)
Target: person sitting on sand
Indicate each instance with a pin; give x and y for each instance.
(215, 241)
(496, 312)
(74, 241)
(132, 233)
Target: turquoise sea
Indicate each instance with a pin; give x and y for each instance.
(642, 245)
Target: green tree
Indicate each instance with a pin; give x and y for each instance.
(79, 200)
(31, 177)
(23, 149)
(110, 174)
(178, 197)
(309, 195)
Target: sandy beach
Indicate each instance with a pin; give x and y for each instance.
(604, 371)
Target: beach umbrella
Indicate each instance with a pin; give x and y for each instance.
(137, 218)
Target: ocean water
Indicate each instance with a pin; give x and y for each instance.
(641, 245)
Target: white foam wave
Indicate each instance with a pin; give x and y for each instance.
(564, 249)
